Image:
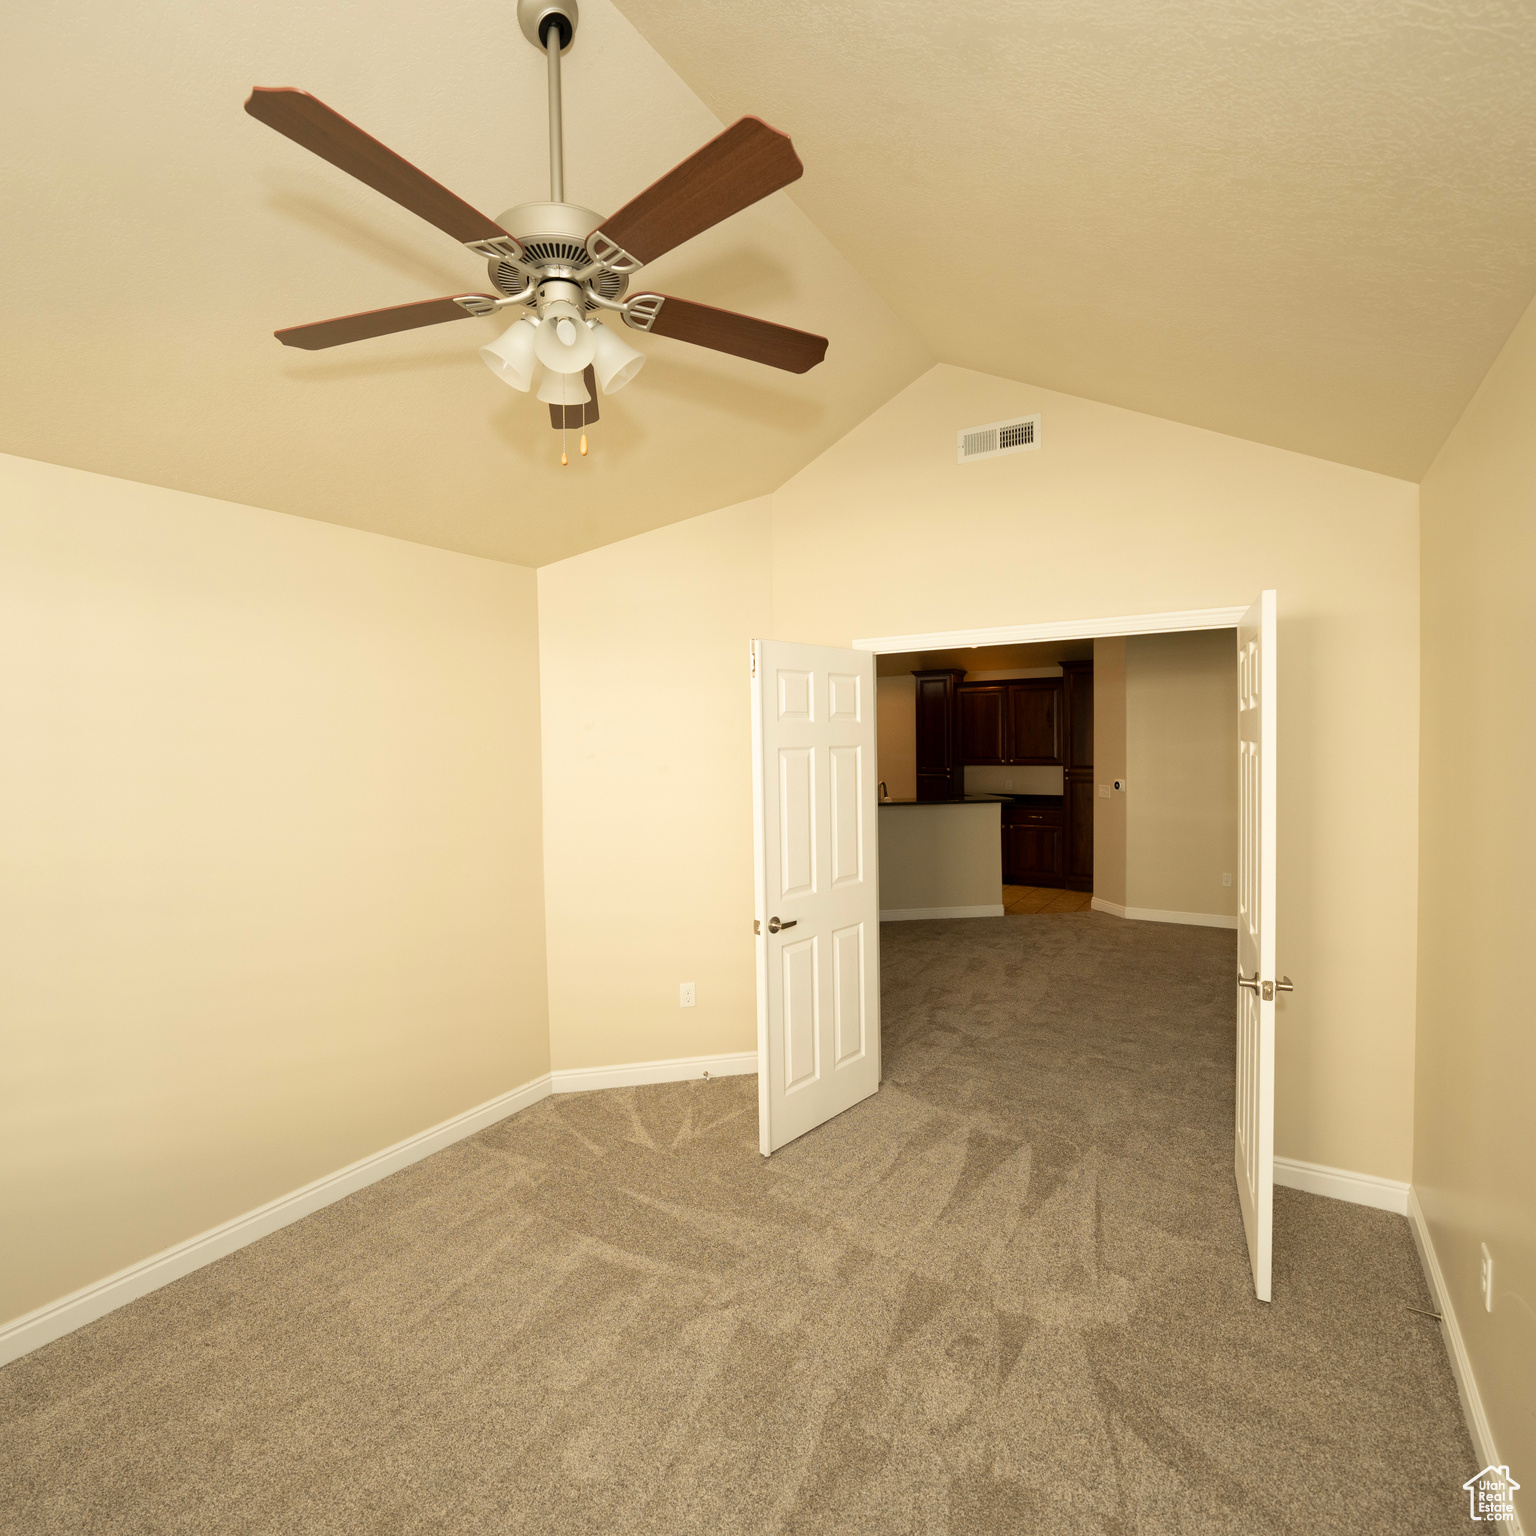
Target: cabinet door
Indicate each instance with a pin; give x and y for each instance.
(1031, 852)
(983, 722)
(1034, 709)
(935, 753)
(1079, 830)
(1079, 722)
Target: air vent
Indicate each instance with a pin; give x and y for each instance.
(997, 437)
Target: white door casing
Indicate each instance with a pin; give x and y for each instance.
(817, 884)
(1254, 1156)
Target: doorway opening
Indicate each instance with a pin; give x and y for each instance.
(987, 783)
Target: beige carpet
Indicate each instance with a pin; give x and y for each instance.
(1007, 1294)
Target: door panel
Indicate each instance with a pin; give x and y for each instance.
(1253, 1154)
(983, 725)
(1078, 680)
(797, 821)
(800, 1009)
(817, 876)
(847, 815)
(1034, 709)
(848, 993)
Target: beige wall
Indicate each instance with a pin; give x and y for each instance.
(1474, 1162)
(1119, 513)
(645, 662)
(1181, 772)
(1109, 765)
(941, 856)
(896, 723)
(270, 897)
(649, 788)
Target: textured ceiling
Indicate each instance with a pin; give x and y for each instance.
(154, 236)
(1311, 223)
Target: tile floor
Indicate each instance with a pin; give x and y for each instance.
(1019, 900)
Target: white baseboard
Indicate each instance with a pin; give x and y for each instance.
(1461, 1364)
(1340, 1184)
(920, 914)
(1156, 915)
(53, 1321)
(678, 1070)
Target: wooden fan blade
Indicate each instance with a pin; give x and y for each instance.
(723, 330)
(307, 121)
(375, 322)
(740, 167)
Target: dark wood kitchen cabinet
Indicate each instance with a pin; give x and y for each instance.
(1077, 786)
(1032, 844)
(940, 767)
(1034, 720)
(1016, 722)
(984, 723)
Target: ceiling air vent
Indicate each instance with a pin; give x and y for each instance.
(997, 437)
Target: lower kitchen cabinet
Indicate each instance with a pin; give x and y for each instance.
(1031, 855)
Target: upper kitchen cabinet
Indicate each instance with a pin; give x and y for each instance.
(1078, 684)
(940, 767)
(1034, 718)
(984, 723)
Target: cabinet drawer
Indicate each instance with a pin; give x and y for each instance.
(1020, 816)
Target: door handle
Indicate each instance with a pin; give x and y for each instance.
(1251, 982)
(774, 925)
(1265, 989)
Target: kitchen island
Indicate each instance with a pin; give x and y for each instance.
(941, 858)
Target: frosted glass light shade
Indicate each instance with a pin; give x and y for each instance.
(511, 357)
(564, 345)
(616, 362)
(563, 389)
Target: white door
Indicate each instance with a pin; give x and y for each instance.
(818, 887)
(1254, 1158)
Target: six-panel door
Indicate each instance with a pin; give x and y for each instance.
(818, 903)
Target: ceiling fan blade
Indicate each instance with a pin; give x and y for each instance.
(307, 121)
(723, 330)
(379, 322)
(740, 167)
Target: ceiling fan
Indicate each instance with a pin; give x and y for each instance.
(559, 262)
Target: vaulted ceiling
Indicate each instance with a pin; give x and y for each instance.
(1310, 224)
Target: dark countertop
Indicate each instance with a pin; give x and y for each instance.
(1039, 802)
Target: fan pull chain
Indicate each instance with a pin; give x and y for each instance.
(584, 423)
(563, 459)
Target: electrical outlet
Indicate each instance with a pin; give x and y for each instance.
(1487, 1279)
(685, 995)
(1103, 791)
(1007, 783)
(1226, 879)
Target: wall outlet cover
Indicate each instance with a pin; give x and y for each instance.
(1226, 879)
(1103, 791)
(685, 995)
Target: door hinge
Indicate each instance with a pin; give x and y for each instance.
(754, 661)
(757, 926)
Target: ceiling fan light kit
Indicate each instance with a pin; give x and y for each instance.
(563, 262)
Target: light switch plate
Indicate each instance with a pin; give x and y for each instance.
(1103, 791)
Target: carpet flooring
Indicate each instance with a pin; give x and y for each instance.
(1007, 1294)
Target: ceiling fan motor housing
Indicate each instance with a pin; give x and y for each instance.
(554, 241)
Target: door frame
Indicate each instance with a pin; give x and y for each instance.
(1058, 629)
